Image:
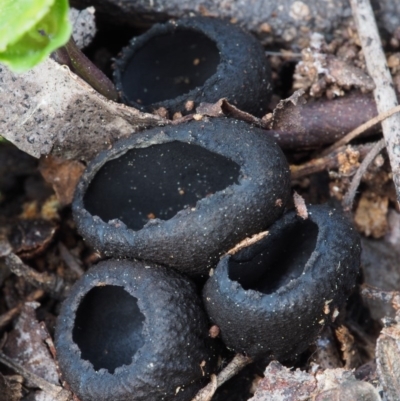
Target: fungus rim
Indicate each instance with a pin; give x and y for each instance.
(263, 175)
(140, 42)
(136, 278)
(222, 34)
(309, 264)
(281, 309)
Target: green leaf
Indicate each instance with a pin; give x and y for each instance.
(32, 30)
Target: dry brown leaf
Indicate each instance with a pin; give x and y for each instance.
(25, 345)
(350, 354)
(63, 175)
(10, 388)
(371, 214)
(286, 116)
(223, 108)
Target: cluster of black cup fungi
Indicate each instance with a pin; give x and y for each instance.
(166, 205)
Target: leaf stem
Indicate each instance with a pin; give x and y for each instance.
(72, 56)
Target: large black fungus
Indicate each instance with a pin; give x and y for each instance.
(194, 59)
(272, 298)
(133, 331)
(182, 195)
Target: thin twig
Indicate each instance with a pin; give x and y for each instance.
(330, 161)
(11, 314)
(57, 392)
(51, 283)
(361, 129)
(384, 94)
(355, 182)
(82, 66)
(234, 367)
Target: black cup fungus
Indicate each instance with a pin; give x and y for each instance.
(133, 331)
(195, 59)
(182, 195)
(272, 298)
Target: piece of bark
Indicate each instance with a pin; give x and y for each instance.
(283, 384)
(280, 383)
(50, 110)
(388, 360)
(287, 22)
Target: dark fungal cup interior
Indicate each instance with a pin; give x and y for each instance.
(280, 262)
(108, 327)
(168, 66)
(157, 182)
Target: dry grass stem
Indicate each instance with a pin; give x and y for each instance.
(234, 367)
(57, 392)
(361, 129)
(355, 182)
(384, 94)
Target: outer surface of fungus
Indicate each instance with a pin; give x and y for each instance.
(133, 331)
(200, 59)
(272, 298)
(181, 196)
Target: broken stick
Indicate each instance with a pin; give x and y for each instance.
(384, 94)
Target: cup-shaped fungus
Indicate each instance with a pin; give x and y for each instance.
(182, 195)
(272, 298)
(133, 331)
(181, 63)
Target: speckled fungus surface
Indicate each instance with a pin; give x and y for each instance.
(133, 331)
(273, 297)
(182, 195)
(195, 59)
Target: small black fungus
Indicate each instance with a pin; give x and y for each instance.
(133, 331)
(195, 59)
(273, 297)
(181, 196)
